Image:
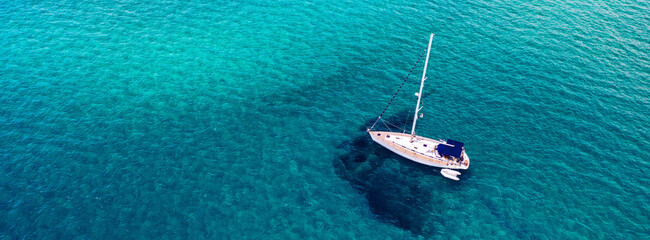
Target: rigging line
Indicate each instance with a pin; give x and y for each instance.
(384, 121)
(400, 87)
(406, 119)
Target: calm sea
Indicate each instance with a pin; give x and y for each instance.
(245, 119)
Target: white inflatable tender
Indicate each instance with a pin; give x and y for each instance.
(451, 174)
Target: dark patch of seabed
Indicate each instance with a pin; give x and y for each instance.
(392, 190)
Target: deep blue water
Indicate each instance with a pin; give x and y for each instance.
(244, 119)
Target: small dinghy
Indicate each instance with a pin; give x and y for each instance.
(451, 174)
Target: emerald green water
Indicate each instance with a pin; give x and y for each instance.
(244, 120)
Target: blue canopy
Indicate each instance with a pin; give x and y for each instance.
(452, 148)
(455, 143)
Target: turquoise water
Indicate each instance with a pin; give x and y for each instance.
(218, 120)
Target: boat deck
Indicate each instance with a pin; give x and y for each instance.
(419, 149)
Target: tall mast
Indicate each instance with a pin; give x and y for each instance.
(424, 73)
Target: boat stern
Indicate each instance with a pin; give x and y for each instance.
(465, 161)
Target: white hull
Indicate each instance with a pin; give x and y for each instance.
(418, 149)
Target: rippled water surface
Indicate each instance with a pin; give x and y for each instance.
(245, 119)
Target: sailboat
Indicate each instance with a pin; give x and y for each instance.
(448, 154)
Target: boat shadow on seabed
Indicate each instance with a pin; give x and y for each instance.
(392, 185)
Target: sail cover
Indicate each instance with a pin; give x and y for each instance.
(452, 148)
